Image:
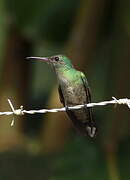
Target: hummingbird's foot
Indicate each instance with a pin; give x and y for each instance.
(85, 106)
(86, 110)
(66, 108)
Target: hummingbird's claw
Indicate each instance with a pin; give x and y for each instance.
(66, 108)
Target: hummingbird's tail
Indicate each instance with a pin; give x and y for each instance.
(90, 125)
(86, 128)
(91, 129)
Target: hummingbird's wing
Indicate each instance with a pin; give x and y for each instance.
(86, 87)
(92, 124)
(87, 90)
(61, 96)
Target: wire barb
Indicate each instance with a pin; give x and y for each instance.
(21, 111)
(18, 112)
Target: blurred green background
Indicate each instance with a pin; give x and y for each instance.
(96, 36)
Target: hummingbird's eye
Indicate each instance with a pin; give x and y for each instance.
(56, 58)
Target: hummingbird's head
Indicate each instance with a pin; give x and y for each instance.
(57, 61)
(60, 61)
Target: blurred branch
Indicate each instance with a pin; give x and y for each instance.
(14, 83)
(85, 35)
(111, 156)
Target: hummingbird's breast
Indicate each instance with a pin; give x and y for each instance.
(73, 91)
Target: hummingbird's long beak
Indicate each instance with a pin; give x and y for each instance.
(39, 58)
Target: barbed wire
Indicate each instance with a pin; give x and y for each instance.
(21, 111)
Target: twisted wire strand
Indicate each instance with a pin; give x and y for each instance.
(21, 111)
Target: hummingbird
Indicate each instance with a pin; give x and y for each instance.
(73, 90)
